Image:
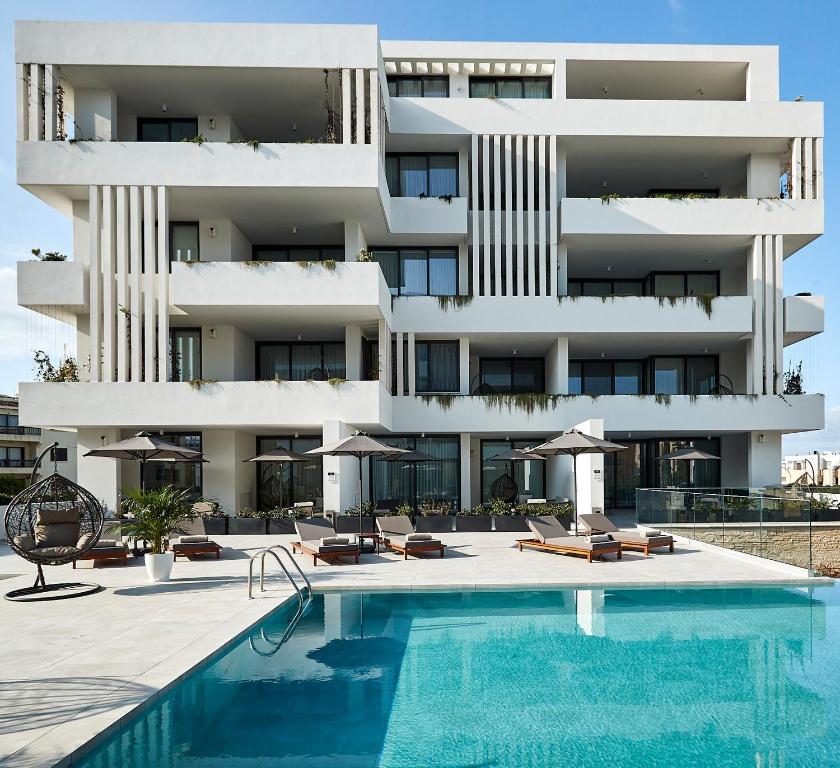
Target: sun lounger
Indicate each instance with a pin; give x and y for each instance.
(400, 536)
(194, 541)
(105, 549)
(319, 539)
(644, 542)
(551, 536)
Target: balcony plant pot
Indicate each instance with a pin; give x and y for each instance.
(215, 526)
(350, 524)
(510, 523)
(247, 526)
(159, 567)
(281, 525)
(435, 523)
(474, 523)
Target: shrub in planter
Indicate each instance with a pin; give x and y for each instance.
(476, 520)
(562, 511)
(434, 517)
(248, 522)
(283, 520)
(348, 522)
(212, 515)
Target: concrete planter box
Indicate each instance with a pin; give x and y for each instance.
(510, 523)
(350, 524)
(281, 525)
(474, 523)
(215, 526)
(435, 524)
(247, 526)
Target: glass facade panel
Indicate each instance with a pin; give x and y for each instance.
(628, 377)
(482, 89)
(183, 241)
(413, 273)
(597, 378)
(575, 378)
(529, 476)
(389, 263)
(509, 89)
(687, 474)
(496, 374)
(443, 175)
(437, 366)
(623, 474)
(183, 475)
(419, 271)
(282, 485)
(592, 288)
(536, 88)
(700, 375)
(185, 354)
(414, 176)
(669, 285)
(668, 376)
(419, 86)
(274, 362)
(702, 284)
(628, 288)
(528, 375)
(301, 362)
(443, 272)
(166, 129)
(437, 87)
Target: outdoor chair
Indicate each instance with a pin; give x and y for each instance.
(643, 541)
(551, 536)
(319, 539)
(399, 535)
(194, 541)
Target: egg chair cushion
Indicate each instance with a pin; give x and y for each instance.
(25, 542)
(53, 553)
(57, 527)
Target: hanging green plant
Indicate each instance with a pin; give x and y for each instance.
(197, 384)
(444, 401)
(457, 302)
(336, 381)
(328, 264)
(663, 400)
(256, 263)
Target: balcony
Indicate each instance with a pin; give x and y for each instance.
(720, 217)
(427, 216)
(20, 431)
(621, 413)
(804, 317)
(213, 405)
(58, 289)
(728, 315)
(227, 292)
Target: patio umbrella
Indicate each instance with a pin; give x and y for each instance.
(573, 443)
(689, 454)
(358, 445)
(277, 456)
(145, 447)
(412, 459)
(511, 455)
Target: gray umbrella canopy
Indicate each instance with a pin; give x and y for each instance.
(358, 445)
(573, 443)
(689, 454)
(279, 455)
(412, 457)
(144, 447)
(517, 454)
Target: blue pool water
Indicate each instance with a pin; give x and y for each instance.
(746, 677)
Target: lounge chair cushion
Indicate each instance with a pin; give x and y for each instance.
(634, 538)
(193, 540)
(598, 523)
(105, 543)
(316, 546)
(579, 543)
(651, 534)
(596, 538)
(419, 537)
(98, 551)
(546, 527)
(84, 540)
(313, 529)
(25, 542)
(329, 541)
(396, 524)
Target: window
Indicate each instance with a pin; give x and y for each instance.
(529, 476)
(183, 241)
(282, 485)
(12, 457)
(300, 361)
(586, 287)
(437, 364)
(287, 253)
(510, 375)
(419, 86)
(684, 283)
(393, 483)
(668, 376)
(166, 128)
(419, 271)
(628, 378)
(606, 377)
(687, 474)
(183, 475)
(696, 375)
(184, 354)
(418, 175)
(510, 87)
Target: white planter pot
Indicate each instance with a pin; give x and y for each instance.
(159, 567)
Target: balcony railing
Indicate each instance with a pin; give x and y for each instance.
(773, 527)
(17, 463)
(8, 430)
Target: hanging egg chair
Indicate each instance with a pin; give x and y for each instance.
(53, 522)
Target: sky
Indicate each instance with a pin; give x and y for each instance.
(805, 31)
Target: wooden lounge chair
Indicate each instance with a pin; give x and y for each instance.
(319, 539)
(551, 536)
(599, 523)
(400, 536)
(194, 542)
(105, 549)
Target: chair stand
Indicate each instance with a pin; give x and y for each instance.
(40, 590)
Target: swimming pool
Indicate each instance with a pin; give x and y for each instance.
(642, 677)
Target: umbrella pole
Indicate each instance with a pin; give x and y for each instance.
(360, 495)
(142, 473)
(574, 476)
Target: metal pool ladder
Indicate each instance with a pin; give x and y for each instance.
(273, 551)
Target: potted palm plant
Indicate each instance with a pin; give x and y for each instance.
(154, 515)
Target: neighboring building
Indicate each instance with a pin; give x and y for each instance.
(20, 446)
(820, 467)
(561, 234)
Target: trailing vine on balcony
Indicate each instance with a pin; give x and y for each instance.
(456, 302)
(444, 401)
(328, 264)
(197, 384)
(67, 369)
(336, 381)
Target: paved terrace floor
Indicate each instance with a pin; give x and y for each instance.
(71, 668)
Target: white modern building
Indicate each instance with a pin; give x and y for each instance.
(286, 233)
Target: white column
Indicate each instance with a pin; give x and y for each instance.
(400, 364)
(530, 216)
(108, 309)
(374, 106)
(136, 297)
(122, 282)
(464, 454)
(412, 364)
(463, 269)
(384, 344)
(557, 367)
(755, 289)
(360, 106)
(808, 167)
(353, 352)
(562, 269)
(796, 169)
(485, 212)
(36, 114)
(475, 239)
(818, 168)
(22, 93)
(94, 267)
(464, 365)
(520, 205)
(497, 214)
(541, 207)
(102, 478)
(341, 473)
(163, 283)
(510, 280)
(769, 305)
(778, 309)
(551, 285)
(50, 106)
(346, 107)
(149, 283)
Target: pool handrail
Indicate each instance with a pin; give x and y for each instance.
(272, 550)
